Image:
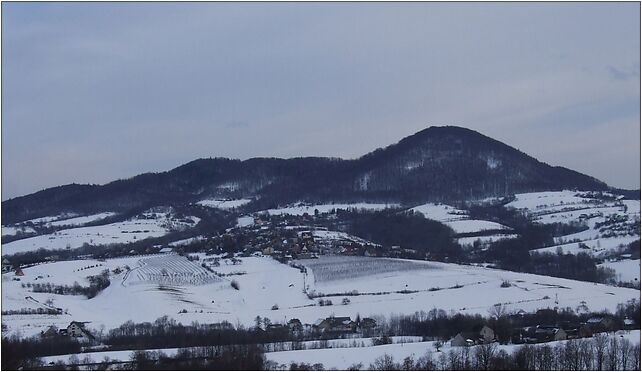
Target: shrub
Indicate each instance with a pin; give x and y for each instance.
(505, 284)
(275, 307)
(345, 301)
(235, 285)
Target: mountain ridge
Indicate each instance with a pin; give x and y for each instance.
(439, 163)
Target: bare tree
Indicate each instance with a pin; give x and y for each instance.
(600, 342)
(484, 355)
(383, 363)
(613, 353)
(625, 352)
(498, 311)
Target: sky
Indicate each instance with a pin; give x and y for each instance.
(93, 92)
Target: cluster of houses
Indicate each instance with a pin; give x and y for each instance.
(483, 334)
(74, 329)
(331, 326)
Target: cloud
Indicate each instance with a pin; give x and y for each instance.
(623, 74)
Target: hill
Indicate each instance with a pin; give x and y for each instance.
(436, 164)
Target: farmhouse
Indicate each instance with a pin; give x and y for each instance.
(6, 265)
(601, 324)
(574, 331)
(295, 325)
(547, 333)
(479, 335)
(50, 332)
(77, 329)
(337, 325)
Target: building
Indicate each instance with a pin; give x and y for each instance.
(576, 330)
(481, 334)
(601, 324)
(337, 325)
(6, 266)
(548, 333)
(77, 329)
(50, 332)
(295, 325)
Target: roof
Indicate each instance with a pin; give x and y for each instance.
(469, 335)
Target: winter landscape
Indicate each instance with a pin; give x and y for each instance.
(260, 186)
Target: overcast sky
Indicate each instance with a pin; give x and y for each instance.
(100, 91)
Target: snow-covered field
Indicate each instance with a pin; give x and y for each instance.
(626, 270)
(223, 204)
(343, 358)
(330, 236)
(609, 222)
(339, 353)
(485, 239)
(461, 223)
(152, 224)
(300, 209)
(172, 270)
(76, 221)
(14, 230)
(263, 282)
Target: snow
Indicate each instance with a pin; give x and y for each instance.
(471, 226)
(81, 220)
(169, 270)
(626, 270)
(540, 200)
(223, 204)
(596, 247)
(407, 287)
(456, 219)
(245, 221)
(187, 241)
(300, 209)
(99, 356)
(343, 358)
(41, 220)
(321, 235)
(485, 239)
(14, 230)
(441, 212)
(603, 237)
(150, 225)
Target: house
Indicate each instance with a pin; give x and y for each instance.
(465, 339)
(50, 332)
(485, 332)
(480, 334)
(6, 266)
(549, 333)
(601, 324)
(77, 329)
(575, 330)
(367, 323)
(337, 325)
(295, 325)
(629, 324)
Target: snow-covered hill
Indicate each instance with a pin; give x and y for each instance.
(404, 287)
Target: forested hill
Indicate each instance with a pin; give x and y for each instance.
(435, 164)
